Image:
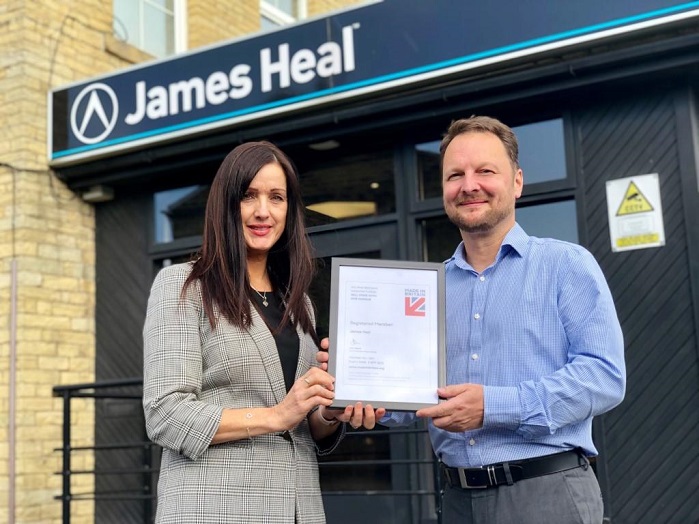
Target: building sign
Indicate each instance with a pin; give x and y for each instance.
(353, 53)
(635, 213)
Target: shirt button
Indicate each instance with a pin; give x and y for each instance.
(477, 316)
(474, 356)
(472, 442)
(481, 278)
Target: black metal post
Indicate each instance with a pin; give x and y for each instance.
(437, 464)
(65, 471)
(147, 480)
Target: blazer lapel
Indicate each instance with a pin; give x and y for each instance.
(267, 347)
(307, 353)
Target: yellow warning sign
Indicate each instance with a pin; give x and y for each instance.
(634, 202)
(638, 240)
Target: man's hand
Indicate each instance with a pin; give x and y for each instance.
(322, 356)
(461, 411)
(356, 416)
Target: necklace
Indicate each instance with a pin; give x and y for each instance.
(263, 296)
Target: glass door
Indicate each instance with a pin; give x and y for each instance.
(373, 474)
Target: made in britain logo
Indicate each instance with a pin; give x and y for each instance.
(415, 305)
(94, 113)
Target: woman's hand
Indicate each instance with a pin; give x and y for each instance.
(313, 388)
(357, 415)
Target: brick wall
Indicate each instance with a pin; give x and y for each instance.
(317, 7)
(211, 21)
(47, 233)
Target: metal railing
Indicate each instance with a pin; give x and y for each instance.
(144, 495)
(115, 389)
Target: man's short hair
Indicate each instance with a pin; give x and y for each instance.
(482, 124)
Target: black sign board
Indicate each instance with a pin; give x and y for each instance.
(353, 53)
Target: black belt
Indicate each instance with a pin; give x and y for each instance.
(511, 472)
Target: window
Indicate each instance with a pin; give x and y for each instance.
(179, 213)
(349, 187)
(274, 13)
(154, 26)
(551, 220)
(542, 151)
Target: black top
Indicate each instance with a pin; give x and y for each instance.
(287, 339)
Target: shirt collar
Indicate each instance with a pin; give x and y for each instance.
(515, 241)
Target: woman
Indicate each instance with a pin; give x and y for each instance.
(231, 391)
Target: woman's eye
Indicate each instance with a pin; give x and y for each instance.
(248, 196)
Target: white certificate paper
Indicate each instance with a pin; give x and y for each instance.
(387, 332)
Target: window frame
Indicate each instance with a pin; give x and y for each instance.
(279, 17)
(179, 26)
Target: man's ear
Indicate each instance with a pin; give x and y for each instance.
(519, 183)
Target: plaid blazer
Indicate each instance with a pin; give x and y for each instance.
(191, 373)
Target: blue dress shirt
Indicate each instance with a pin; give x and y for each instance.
(539, 330)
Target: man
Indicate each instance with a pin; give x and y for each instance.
(534, 350)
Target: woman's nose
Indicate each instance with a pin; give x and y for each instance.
(261, 209)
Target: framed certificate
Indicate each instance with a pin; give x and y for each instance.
(387, 333)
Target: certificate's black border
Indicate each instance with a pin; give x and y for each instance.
(438, 270)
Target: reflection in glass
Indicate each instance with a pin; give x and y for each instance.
(439, 239)
(159, 37)
(349, 188)
(541, 157)
(554, 220)
(179, 213)
(429, 175)
(542, 154)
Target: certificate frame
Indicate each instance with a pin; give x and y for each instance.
(374, 303)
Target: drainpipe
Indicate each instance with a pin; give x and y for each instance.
(12, 400)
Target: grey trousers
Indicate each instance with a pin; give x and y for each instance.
(568, 497)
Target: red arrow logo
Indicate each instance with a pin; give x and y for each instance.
(415, 306)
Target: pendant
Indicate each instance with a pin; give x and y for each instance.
(263, 296)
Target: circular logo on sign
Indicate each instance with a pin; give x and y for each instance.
(94, 113)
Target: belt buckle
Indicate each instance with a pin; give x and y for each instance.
(464, 481)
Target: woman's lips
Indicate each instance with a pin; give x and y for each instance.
(260, 231)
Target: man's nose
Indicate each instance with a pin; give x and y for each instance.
(469, 183)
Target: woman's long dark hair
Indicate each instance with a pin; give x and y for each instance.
(222, 268)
